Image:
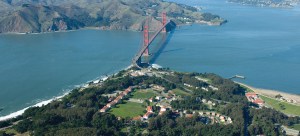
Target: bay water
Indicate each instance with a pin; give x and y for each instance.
(262, 44)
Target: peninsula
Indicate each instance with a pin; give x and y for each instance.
(152, 101)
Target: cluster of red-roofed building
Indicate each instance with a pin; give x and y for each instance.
(162, 110)
(149, 112)
(117, 100)
(253, 97)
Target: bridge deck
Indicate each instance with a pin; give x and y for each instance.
(140, 53)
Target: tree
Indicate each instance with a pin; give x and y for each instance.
(23, 126)
(2, 133)
(278, 96)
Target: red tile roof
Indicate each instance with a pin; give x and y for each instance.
(251, 94)
(258, 101)
(104, 109)
(149, 109)
(147, 114)
(189, 115)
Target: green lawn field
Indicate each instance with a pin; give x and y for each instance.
(128, 109)
(144, 94)
(296, 126)
(282, 106)
(180, 92)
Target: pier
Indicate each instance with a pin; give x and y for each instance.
(238, 76)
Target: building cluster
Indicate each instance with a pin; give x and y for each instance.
(144, 72)
(157, 87)
(286, 99)
(253, 97)
(216, 117)
(148, 113)
(210, 87)
(116, 100)
(213, 116)
(209, 102)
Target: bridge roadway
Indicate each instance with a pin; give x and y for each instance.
(140, 53)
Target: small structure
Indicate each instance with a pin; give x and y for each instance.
(203, 88)
(104, 109)
(189, 115)
(188, 85)
(162, 110)
(259, 102)
(149, 109)
(111, 104)
(151, 99)
(158, 98)
(117, 100)
(213, 114)
(157, 87)
(229, 120)
(149, 112)
(251, 95)
(222, 118)
(147, 115)
(213, 88)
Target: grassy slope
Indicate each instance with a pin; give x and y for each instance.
(289, 108)
(297, 127)
(180, 92)
(143, 94)
(122, 110)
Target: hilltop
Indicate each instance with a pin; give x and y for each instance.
(153, 102)
(32, 16)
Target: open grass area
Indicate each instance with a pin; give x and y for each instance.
(247, 89)
(11, 131)
(180, 92)
(296, 126)
(128, 109)
(282, 106)
(144, 94)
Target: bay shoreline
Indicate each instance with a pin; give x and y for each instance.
(273, 93)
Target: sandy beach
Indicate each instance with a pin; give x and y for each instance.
(273, 93)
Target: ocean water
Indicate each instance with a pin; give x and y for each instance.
(34, 68)
(262, 44)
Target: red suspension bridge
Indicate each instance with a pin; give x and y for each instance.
(144, 52)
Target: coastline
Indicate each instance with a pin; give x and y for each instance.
(209, 23)
(273, 93)
(45, 102)
(40, 104)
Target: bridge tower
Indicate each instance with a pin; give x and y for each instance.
(164, 20)
(146, 37)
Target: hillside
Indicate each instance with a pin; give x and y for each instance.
(268, 3)
(35, 16)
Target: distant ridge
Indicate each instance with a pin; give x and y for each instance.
(36, 16)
